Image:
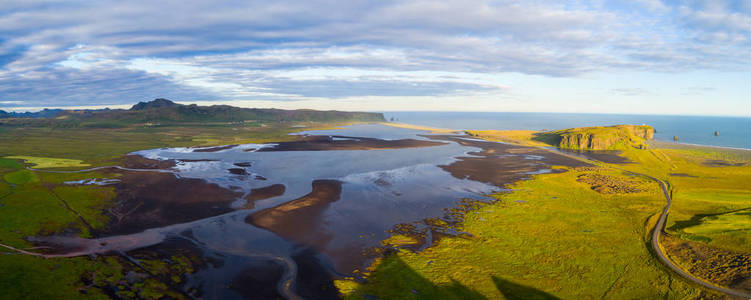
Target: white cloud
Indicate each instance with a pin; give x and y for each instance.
(75, 52)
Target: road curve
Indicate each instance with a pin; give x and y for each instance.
(659, 229)
(657, 232)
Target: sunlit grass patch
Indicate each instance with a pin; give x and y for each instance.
(524, 137)
(48, 162)
(399, 240)
(89, 201)
(551, 237)
(722, 223)
(20, 177)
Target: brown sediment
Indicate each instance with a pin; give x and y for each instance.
(215, 149)
(328, 143)
(140, 162)
(266, 192)
(259, 280)
(498, 163)
(606, 184)
(719, 266)
(300, 219)
(147, 200)
(264, 278)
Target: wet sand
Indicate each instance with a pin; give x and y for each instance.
(259, 280)
(299, 220)
(266, 192)
(140, 162)
(329, 143)
(148, 200)
(215, 149)
(501, 164)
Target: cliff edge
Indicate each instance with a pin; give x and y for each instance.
(618, 137)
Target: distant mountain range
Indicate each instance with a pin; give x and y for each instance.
(164, 111)
(45, 113)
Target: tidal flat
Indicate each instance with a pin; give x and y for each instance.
(311, 210)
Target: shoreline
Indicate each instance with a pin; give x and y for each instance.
(447, 130)
(702, 146)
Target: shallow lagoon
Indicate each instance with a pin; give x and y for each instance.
(379, 189)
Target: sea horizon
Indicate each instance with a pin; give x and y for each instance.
(690, 130)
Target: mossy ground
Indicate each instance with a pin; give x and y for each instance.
(567, 240)
(553, 236)
(710, 203)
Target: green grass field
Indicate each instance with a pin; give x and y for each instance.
(551, 237)
(709, 202)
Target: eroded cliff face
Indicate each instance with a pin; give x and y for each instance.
(617, 137)
(643, 131)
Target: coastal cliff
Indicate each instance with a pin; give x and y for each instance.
(617, 137)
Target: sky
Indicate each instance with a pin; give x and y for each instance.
(632, 57)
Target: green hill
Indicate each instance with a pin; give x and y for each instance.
(166, 112)
(618, 137)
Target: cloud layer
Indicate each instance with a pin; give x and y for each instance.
(114, 52)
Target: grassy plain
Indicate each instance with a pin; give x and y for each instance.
(552, 237)
(555, 237)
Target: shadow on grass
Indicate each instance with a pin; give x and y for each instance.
(550, 138)
(394, 279)
(698, 219)
(515, 291)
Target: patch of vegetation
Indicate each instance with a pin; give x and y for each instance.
(722, 267)
(48, 162)
(20, 177)
(7, 163)
(399, 240)
(708, 205)
(26, 277)
(606, 184)
(564, 240)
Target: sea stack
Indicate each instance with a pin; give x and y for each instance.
(716, 133)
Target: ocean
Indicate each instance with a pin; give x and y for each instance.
(735, 132)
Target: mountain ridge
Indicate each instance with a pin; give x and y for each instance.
(165, 111)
